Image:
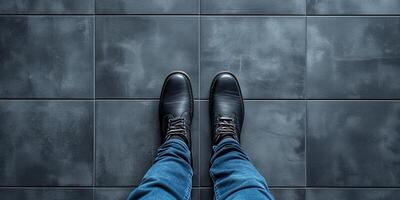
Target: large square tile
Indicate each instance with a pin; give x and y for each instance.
(147, 6)
(353, 144)
(202, 194)
(127, 139)
(45, 194)
(134, 58)
(46, 6)
(123, 193)
(288, 194)
(46, 143)
(353, 194)
(46, 57)
(265, 53)
(112, 193)
(253, 6)
(273, 137)
(353, 57)
(279, 194)
(353, 7)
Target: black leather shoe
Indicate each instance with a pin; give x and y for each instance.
(226, 107)
(176, 108)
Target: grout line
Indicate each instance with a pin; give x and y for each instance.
(46, 15)
(202, 99)
(354, 15)
(327, 100)
(198, 187)
(306, 96)
(305, 144)
(199, 95)
(94, 102)
(151, 14)
(201, 14)
(46, 99)
(48, 187)
(195, 15)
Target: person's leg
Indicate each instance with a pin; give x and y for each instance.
(170, 177)
(233, 174)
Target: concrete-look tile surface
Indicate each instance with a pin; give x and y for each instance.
(353, 194)
(123, 193)
(147, 6)
(127, 139)
(279, 194)
(46, 143)
(45, 194)
(353, 57)
(265, 53)
(80, 82)
(253, 6)
(273, 137)
(353, 7)
(46, 57)
(133, 59)
(353, 144)
(202, 194)
(112, 193)
(289, 194)
(46, 6)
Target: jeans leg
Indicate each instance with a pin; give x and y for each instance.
(170, 177)
(233, 174)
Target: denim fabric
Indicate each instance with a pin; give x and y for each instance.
(170, 177)
(233, 174)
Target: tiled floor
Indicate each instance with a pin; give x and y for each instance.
(80, 80)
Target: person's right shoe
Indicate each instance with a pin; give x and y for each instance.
(226, 107)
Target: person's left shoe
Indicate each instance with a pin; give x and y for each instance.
(226, 107)
(176, 108)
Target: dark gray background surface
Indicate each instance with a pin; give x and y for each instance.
(80, 82)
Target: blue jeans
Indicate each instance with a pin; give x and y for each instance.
(233, 175)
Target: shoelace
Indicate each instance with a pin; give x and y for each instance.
(176, 126)
(226, 126)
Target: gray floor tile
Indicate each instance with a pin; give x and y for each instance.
(279, 194)
(46, 6)
(127, 138)
(147, 6)
(134, 58)
(353, 194)
(202, 194)
(123, 193)
(289, 194)
(266, 53)
(353, 144)
(45, 194)
(353, 7)
(353, 57)
(273, 137)
(46, 143)
(196, 137)
(253, 6)
(46, 57)
(112, 193)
